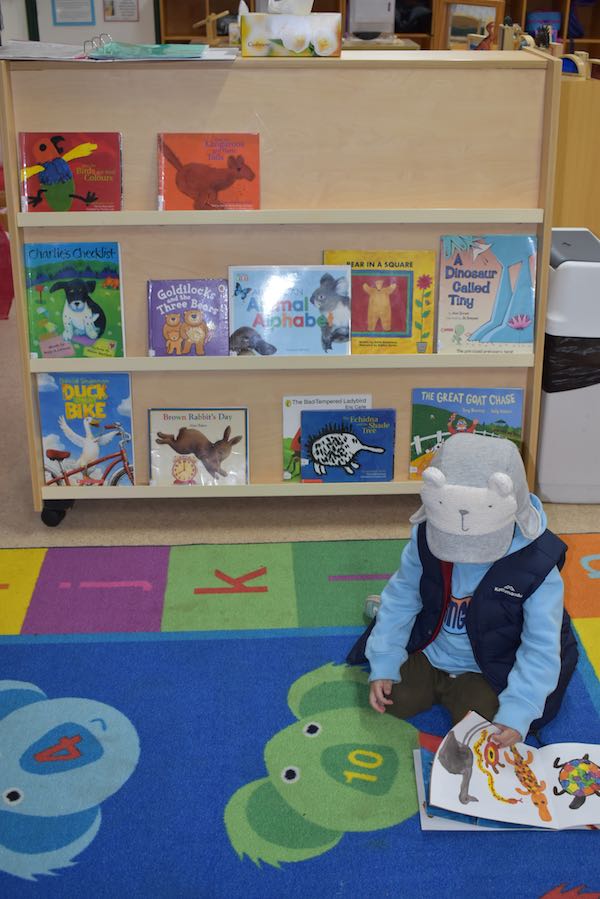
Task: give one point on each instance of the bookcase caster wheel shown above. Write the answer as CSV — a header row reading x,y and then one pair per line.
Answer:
x,y
54,510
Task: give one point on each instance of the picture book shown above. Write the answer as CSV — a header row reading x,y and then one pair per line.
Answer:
x,y
188,317
548,787
348,445
487,293
392,299
198,447
208,171
72,171
439,412
292,407
86,429
74,300
435,818
290,310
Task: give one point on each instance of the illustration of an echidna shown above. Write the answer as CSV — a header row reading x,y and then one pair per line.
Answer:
x,y
579,778
336,447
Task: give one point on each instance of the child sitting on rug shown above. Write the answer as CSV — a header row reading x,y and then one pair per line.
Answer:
x,y
474,619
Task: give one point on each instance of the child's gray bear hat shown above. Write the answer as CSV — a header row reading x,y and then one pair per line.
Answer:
x,y
473,493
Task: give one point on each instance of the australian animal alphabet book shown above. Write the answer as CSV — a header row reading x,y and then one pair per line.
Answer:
x,y
208,171
70,171
74,300
198,447
556,787
289,310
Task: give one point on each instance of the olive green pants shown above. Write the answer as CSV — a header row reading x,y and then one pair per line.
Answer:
x,y
423,685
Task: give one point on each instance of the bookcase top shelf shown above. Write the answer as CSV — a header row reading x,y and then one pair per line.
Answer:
x,y
258,364
153,218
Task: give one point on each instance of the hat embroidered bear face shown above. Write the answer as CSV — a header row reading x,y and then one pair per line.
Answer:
x,y
473,494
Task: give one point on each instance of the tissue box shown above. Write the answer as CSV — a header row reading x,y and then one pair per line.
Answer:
x,y
318,34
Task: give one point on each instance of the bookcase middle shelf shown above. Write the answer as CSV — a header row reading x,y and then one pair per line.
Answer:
x,y
260,364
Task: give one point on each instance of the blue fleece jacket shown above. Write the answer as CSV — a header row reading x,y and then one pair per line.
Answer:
x,y
537,665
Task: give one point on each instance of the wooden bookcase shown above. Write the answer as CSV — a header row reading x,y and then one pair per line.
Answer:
x,y
588,17
374,150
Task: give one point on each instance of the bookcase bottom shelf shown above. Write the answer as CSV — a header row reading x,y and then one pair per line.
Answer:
x,y
144,491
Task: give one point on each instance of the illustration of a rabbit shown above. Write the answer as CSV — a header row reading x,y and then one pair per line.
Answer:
x,y
203,183
333,302
191,441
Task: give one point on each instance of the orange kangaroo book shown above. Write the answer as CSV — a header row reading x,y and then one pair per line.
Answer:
x,y
208,171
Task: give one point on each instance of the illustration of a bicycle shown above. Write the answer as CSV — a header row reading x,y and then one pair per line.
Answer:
x,y
118,471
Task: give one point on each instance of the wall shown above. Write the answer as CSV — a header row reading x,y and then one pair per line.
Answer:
x,y
15,20
137,32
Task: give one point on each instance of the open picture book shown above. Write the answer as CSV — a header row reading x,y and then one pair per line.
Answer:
x,y
557,786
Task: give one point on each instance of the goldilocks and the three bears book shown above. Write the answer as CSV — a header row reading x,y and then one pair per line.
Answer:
x,y
188,317
74,299
392,299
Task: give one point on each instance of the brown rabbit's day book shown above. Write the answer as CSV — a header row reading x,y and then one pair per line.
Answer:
x,y
208,171
198,447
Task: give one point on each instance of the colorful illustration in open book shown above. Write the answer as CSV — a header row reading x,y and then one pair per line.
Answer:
x,y
519,785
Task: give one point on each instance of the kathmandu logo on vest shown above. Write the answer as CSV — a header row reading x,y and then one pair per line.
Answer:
x,y
510,591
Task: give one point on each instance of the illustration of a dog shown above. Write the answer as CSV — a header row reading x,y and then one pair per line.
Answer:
x,y
82,316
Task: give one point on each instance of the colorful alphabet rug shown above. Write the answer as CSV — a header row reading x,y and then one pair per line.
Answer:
x,y
179,722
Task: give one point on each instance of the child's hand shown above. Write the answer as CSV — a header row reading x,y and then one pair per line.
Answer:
x,y
378,694
506,736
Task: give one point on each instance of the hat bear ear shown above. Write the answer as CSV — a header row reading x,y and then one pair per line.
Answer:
x,y
501,483
434,477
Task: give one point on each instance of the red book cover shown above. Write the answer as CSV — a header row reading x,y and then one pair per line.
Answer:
x,y
208,171
72,171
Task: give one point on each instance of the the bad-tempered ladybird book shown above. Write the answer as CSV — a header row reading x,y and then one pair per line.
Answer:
x,y
208,171
348,445
392,299
74,299
292,408
439,412
290,310
86,429
554,787
187,318
487,293
71,171
198,447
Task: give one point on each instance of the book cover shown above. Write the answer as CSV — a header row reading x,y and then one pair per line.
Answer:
x,y
86,429
348,445
74,300
198,447
188,317
487,293
439,412
292,407
548,787
208,171
290,310
74,171
392,299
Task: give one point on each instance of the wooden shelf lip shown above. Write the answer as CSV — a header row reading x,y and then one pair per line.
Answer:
x,y
283,489
283,363
153,218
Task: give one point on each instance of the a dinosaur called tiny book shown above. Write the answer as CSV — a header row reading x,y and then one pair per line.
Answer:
x,y
556,787
198,447
208,171
70,171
